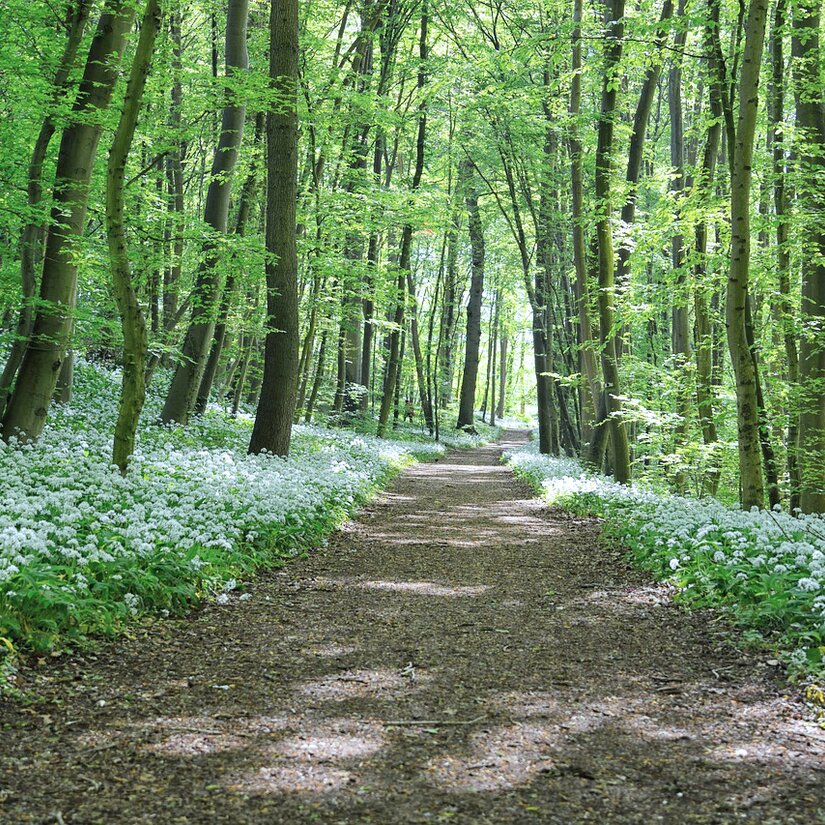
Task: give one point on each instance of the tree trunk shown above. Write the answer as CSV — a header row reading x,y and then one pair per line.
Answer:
x,y
589,392
239,379
316,383
174,180
607,333
305,361
638,138
472,344
768,454
396,400
705,395
273,422
132,320
449,316
180,399
368,304
350,357
393,367
680,319
65,381
502,379
544,279
491,343
750,467
32,235
494,359
228,295
26,412
810,119
423,397
783,259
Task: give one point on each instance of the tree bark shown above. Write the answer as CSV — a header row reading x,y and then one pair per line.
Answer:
x,y
26,412
750,468
316,382
502,379
494,358
174,181
704,183
273,423
544,221
228,293
239,378
680,319
423,397
810,118
180,399
589,391
638,137
393,367
31,239
783,259
449,316
607,332
472,343
132,320
305,361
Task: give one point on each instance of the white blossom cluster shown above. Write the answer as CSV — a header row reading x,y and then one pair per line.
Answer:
x,y
768,566
188,492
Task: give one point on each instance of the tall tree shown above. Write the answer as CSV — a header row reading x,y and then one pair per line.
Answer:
x,y
607,325
132,318
180,399
391,382
744,367
680,318
245,201
703,184
31,240
776,132
273,421
25,415
589,391
472,340
810,117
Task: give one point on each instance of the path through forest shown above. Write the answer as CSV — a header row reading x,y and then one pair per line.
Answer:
x,y
458,654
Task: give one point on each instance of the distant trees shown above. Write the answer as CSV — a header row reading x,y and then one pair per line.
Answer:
x,y
472,336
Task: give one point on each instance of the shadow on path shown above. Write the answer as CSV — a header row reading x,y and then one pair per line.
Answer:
x,y
457,654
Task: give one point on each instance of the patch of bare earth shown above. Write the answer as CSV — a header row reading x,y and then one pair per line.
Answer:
x,y
458,654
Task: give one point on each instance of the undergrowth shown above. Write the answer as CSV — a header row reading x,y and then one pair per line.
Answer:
x,y
85,552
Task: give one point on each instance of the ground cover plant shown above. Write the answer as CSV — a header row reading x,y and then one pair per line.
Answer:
x,y
84,549
766,567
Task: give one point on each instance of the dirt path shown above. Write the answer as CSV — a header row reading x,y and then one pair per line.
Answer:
x,y
458,654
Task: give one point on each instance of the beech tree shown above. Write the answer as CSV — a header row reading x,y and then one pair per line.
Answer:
x,y
273,422
49,339
133,320
183,390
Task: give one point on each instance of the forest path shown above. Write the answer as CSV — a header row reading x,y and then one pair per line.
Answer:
x,y
457,654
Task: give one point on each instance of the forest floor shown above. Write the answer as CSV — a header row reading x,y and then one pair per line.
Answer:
x,y
459,653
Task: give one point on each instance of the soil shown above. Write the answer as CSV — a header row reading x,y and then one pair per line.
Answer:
x,y
459,654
